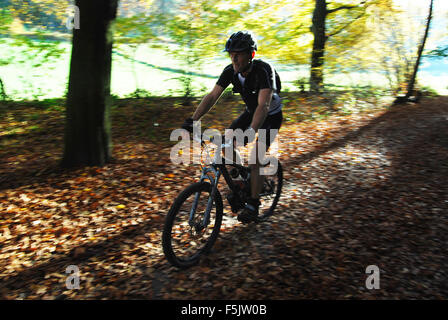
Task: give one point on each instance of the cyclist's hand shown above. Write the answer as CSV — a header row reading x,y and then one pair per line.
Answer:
x,y
188,125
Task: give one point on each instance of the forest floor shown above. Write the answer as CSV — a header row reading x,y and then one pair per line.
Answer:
x,y
360,189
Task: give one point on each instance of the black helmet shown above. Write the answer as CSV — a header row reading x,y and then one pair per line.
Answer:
x,y
241,41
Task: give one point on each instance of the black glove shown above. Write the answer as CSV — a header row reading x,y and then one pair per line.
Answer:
x,y
188,125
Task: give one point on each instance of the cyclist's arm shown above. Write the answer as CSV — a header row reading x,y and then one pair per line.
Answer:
x,y
208,102
264,101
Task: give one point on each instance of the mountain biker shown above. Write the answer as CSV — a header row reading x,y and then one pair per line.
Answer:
x,y
259,85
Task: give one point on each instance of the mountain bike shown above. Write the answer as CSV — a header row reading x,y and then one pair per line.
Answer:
x,y
194,220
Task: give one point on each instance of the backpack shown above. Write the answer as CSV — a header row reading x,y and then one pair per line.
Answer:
x,y
278,82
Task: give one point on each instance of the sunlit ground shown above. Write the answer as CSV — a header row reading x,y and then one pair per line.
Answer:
x,y
360,189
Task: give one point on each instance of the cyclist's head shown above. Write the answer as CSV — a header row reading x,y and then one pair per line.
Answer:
x,y
242,42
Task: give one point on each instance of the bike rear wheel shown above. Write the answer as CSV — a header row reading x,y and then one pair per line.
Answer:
x,y
270,194
185,241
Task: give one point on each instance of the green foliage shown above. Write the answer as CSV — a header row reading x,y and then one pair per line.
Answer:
x,y
372,36
34,54
389,46
35,50
440,52
428,91
138,94
132,29
351,32
282,27
41,14
301,84
135,29
3,95
196,29
6,19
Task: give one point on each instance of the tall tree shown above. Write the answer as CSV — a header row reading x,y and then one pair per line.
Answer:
x,y
411,83
320,34
317,56
87,129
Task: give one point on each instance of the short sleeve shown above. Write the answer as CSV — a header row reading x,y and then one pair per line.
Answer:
x,y
265,77
226,77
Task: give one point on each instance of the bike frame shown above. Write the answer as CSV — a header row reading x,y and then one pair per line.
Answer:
x,y
216,169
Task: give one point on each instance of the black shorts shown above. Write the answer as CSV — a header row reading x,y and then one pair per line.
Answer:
x,y
272,122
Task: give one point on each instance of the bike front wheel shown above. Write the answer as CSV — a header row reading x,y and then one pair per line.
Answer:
x,y
187,235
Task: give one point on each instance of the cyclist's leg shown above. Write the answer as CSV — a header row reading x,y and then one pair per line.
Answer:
x,y
243,123
265,138
257,158
272,126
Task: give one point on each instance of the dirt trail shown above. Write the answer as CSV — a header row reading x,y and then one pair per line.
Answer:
x,y
374,194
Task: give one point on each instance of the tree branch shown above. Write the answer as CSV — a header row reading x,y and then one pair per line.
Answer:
x,y
345,26
343,7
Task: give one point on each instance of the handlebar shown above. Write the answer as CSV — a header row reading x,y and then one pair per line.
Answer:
x,y
224,143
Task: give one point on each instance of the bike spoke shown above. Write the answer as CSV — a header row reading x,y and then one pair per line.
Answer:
x,y
187,240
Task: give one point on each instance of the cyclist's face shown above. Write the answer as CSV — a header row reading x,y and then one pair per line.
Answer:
x,y
240,60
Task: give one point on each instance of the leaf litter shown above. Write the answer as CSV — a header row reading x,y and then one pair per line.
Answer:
x,y
361,189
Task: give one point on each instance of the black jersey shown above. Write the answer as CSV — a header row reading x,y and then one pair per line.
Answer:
x,y
260,77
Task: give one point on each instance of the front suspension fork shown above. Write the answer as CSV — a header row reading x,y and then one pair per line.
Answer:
x,y
214,183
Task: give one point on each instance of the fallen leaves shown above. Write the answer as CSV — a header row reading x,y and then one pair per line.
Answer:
x,y
355,194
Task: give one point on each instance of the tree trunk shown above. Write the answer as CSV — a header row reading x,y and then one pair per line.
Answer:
x,y
2,90
317,56
411,83
87,128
